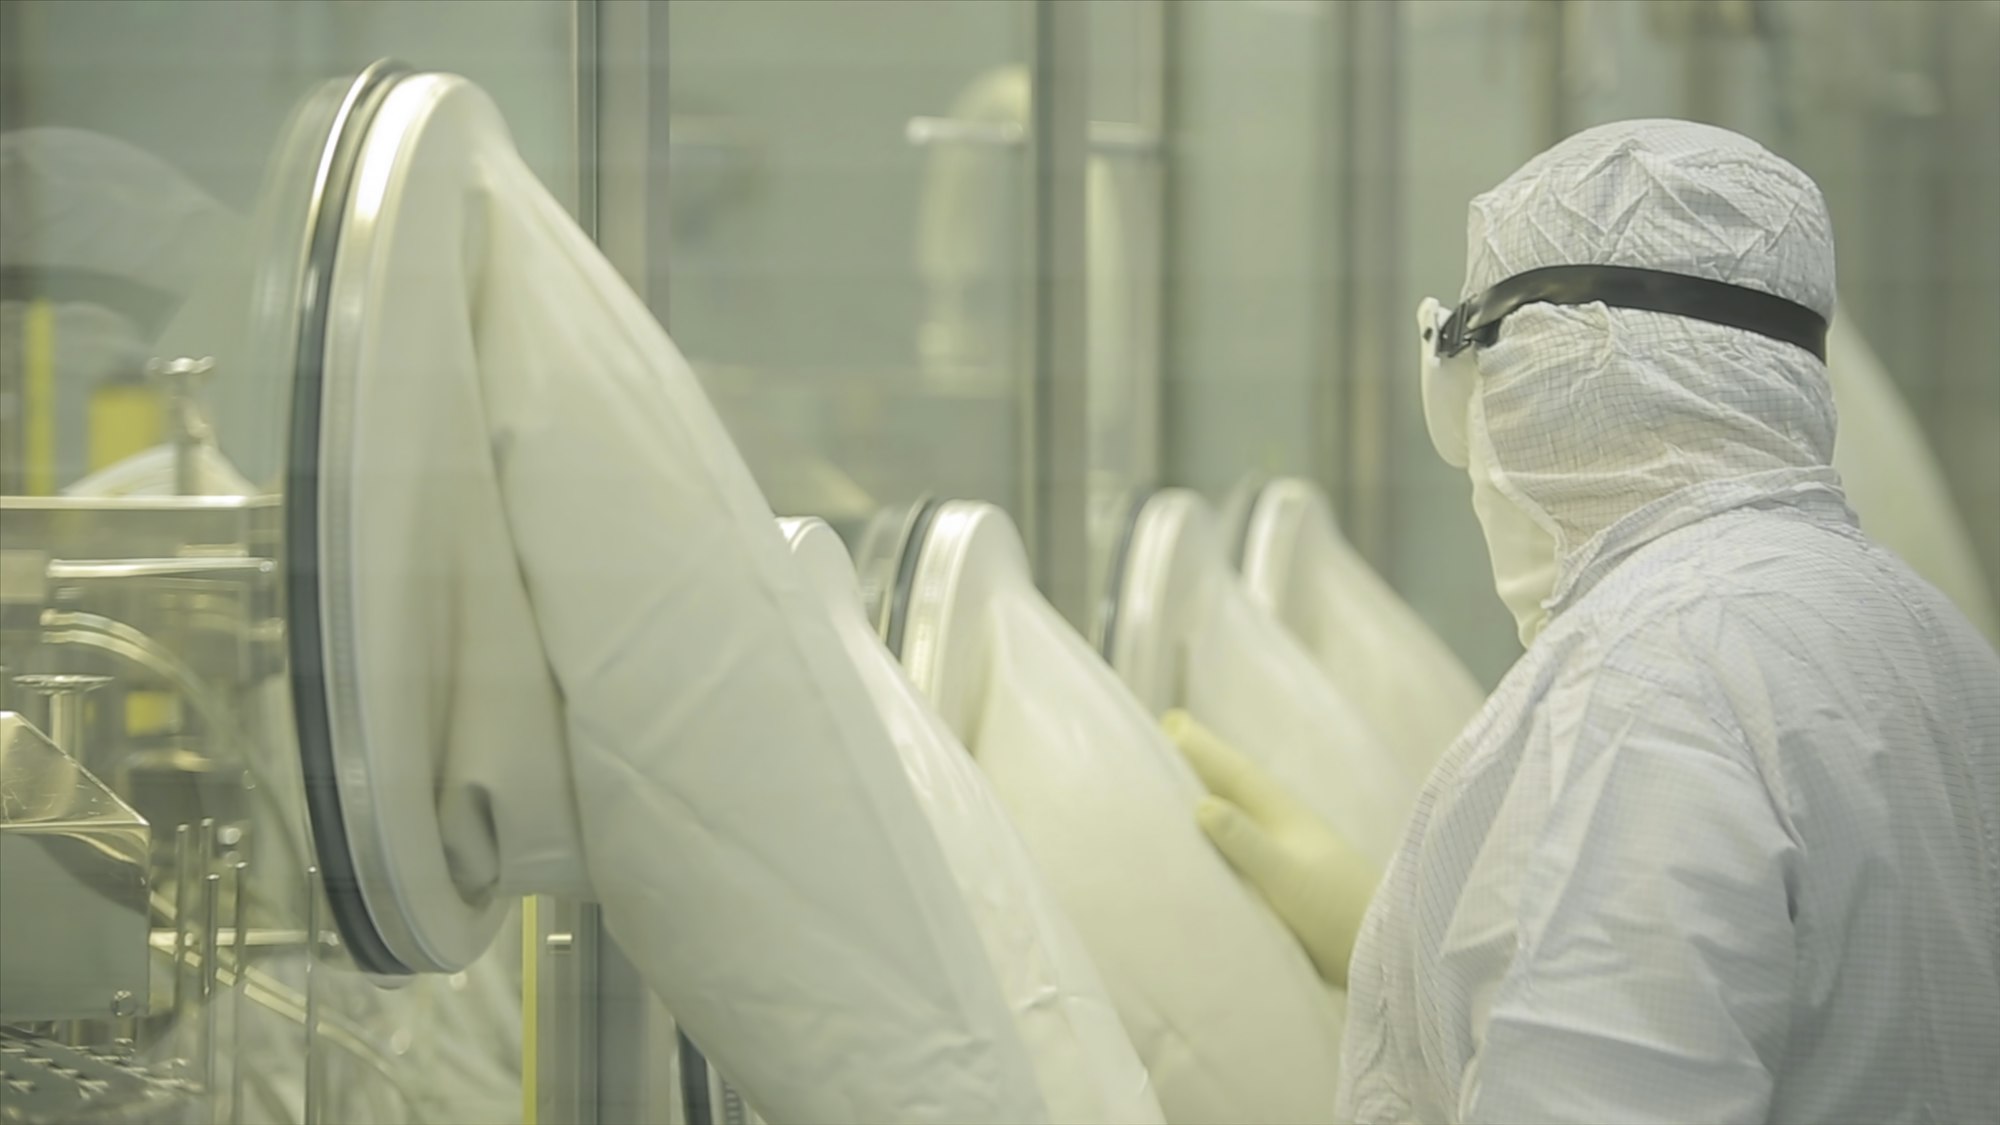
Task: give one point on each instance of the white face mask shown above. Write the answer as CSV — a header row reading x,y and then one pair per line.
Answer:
x,y
1522,551
1447,383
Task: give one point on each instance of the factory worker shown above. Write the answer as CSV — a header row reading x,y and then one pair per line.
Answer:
x,y
1725,844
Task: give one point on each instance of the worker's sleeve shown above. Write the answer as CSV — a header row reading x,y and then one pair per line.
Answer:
x,y
1653,974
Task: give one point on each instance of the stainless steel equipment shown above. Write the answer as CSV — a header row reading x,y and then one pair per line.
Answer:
x,y
167,950
73,901
143,633
48,1082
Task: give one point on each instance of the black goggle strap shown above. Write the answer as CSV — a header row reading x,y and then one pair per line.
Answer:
x,y
1477,321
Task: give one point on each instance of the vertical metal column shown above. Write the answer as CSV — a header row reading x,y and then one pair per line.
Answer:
x,y
634,1037
566,1012
1148,257
631,143
585,78
1368,340
17,28
560,966
1056,404
599,1037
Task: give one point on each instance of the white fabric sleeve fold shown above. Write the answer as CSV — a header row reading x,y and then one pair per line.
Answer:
x,y
707,762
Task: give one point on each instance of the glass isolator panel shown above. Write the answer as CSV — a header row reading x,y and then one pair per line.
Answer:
x,y
188,935
849,192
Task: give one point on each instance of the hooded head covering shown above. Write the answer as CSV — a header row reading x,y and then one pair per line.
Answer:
x,y
1609,427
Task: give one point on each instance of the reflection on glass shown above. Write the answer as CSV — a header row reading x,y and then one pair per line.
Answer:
x,y
169,956
1124,184
850,285
143,634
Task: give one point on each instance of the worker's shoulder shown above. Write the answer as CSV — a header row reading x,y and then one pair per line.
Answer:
x,y
1749,580
1728,603
1760,624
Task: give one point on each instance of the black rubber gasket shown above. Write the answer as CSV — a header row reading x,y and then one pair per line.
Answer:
x,y
305,632
1239,531
897,622
1110,599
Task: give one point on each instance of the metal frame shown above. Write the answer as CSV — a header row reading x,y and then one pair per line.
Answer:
x,y
563,1087
585,79
562,937
16,25
1150,264
600,1043
628,66
1363,342
1056,399
1138,148
600,1040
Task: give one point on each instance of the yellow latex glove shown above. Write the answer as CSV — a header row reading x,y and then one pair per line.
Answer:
x,y
1314,879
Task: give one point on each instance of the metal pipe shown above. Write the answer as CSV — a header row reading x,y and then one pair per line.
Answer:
x,y
211,906
1107,138
187,457
1359,342
64,694
68,627
315,1080
63,627
1055,470
63,570
627,140
584,38
204,857
182,378
238,987
183,862
278,998
66,721
257,939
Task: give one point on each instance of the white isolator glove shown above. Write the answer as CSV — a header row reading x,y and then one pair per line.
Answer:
x,y
1313,878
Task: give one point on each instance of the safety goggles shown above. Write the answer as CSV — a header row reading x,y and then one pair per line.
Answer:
x,y
1449,335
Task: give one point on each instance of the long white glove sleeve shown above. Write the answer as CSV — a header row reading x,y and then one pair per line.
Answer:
x,y
726,757
1224,1007
1414,691
1652,976
1264,696
1090,1073
718,767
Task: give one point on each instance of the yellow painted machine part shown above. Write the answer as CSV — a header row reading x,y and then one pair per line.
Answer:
x,y
530,926
151,712
125,418
38,393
